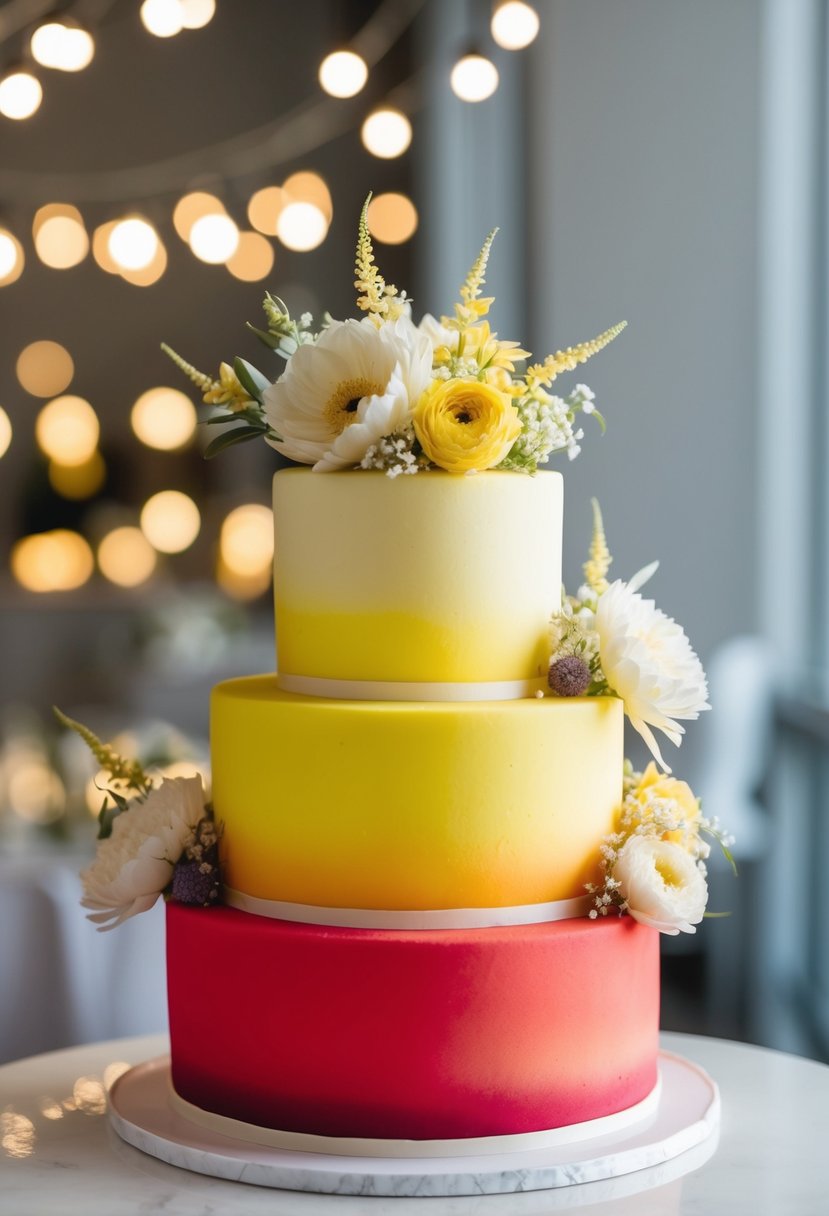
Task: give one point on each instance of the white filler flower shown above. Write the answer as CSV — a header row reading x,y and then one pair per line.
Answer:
x,y
356,384
648,661
661,884
134,865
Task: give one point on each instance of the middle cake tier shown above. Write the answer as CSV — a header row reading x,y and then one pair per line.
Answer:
x,y
412,805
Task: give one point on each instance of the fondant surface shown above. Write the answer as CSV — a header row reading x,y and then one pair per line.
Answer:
x,y
435,577
409,805
438,1034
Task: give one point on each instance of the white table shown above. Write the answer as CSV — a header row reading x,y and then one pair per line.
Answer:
x,y
59,1154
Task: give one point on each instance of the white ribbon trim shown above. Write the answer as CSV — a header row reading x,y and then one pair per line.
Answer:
x,y
409,690
443,918
474,1146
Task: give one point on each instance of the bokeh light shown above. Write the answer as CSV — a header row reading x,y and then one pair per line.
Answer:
x,y
307,187
12,259
343,73
67,430
301,226
20,95
170,521
392,218
514,25
246,551
164,18
196,14
52,561
164,418
214,238
100,247
192,207
35,790
264,208
60,236
65,48
474,78
78,481
133,243
5,432
253,259
45,368
386,133
126,557
151,273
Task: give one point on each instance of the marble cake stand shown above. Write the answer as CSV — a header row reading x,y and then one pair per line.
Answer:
x,y
686,1117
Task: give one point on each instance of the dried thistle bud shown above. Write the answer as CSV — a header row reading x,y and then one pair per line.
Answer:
x,y
569,677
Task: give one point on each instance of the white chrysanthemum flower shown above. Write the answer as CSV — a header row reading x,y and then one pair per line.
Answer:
x,y
133,866
661,884
356,384
648,661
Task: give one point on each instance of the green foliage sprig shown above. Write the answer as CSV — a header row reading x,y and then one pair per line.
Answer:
x,y
128,774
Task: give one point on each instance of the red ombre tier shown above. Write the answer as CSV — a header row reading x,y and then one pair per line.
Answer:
x,y
439,1034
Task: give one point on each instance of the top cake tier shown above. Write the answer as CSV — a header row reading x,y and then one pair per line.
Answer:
x,y
433,579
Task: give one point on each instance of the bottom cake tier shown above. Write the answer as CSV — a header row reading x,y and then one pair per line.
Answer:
x,y
437,1034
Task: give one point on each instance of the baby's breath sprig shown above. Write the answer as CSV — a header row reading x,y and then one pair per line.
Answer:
x,y
543,374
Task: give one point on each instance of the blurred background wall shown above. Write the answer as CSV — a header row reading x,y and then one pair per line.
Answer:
x,y
644,159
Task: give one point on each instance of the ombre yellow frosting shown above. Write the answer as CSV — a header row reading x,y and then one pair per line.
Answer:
x,y
412,805
435,577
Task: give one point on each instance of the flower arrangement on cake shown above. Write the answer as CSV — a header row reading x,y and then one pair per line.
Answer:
x,y
383,393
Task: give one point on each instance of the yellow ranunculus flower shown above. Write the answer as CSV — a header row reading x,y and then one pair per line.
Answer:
x,y
465,424
655,784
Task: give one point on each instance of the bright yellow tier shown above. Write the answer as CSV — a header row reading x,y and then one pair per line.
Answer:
x,y
435,577
412,805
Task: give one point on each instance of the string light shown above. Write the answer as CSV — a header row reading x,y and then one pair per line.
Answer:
x,y
20,95
343,73
191,208
246,551
52,561
170,521
100,247
214,238
126,557
392,218
60,236
386,133
67,430
301,226
5,432
264,208
195,14
164,418
253,259
164,18
514,25
78,481
65,48
147,275
45,368
306,187
474,78
12,259
132,243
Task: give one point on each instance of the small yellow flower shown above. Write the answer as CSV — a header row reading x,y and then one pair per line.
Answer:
x,y
654,784
228,391
464,424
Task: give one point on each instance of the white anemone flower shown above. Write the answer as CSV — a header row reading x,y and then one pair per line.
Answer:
x,y
354,386
661,884
135,863
648,661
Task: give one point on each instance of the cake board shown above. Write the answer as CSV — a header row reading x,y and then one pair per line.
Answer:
x,y
685,1116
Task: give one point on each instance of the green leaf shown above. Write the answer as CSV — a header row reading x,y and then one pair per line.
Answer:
x,y
239,434
715,915
271,340
251,380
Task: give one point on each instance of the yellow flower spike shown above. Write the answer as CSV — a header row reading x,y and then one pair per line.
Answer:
x,y
377,298
228,390
596,568
567,360
203,382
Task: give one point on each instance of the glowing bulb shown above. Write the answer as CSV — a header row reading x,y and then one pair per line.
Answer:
x,y
195,14
66,48
20,95
148,274
306,187
164,18
392,218
301,226
246,540
264,208
60,236
132,244
5,432
192,207
170,521
67,430
126,557
474,78
100,246
514,25
214,238
52,561
11,258
253,259
45,368
78,481
386,133
164,418
343,73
